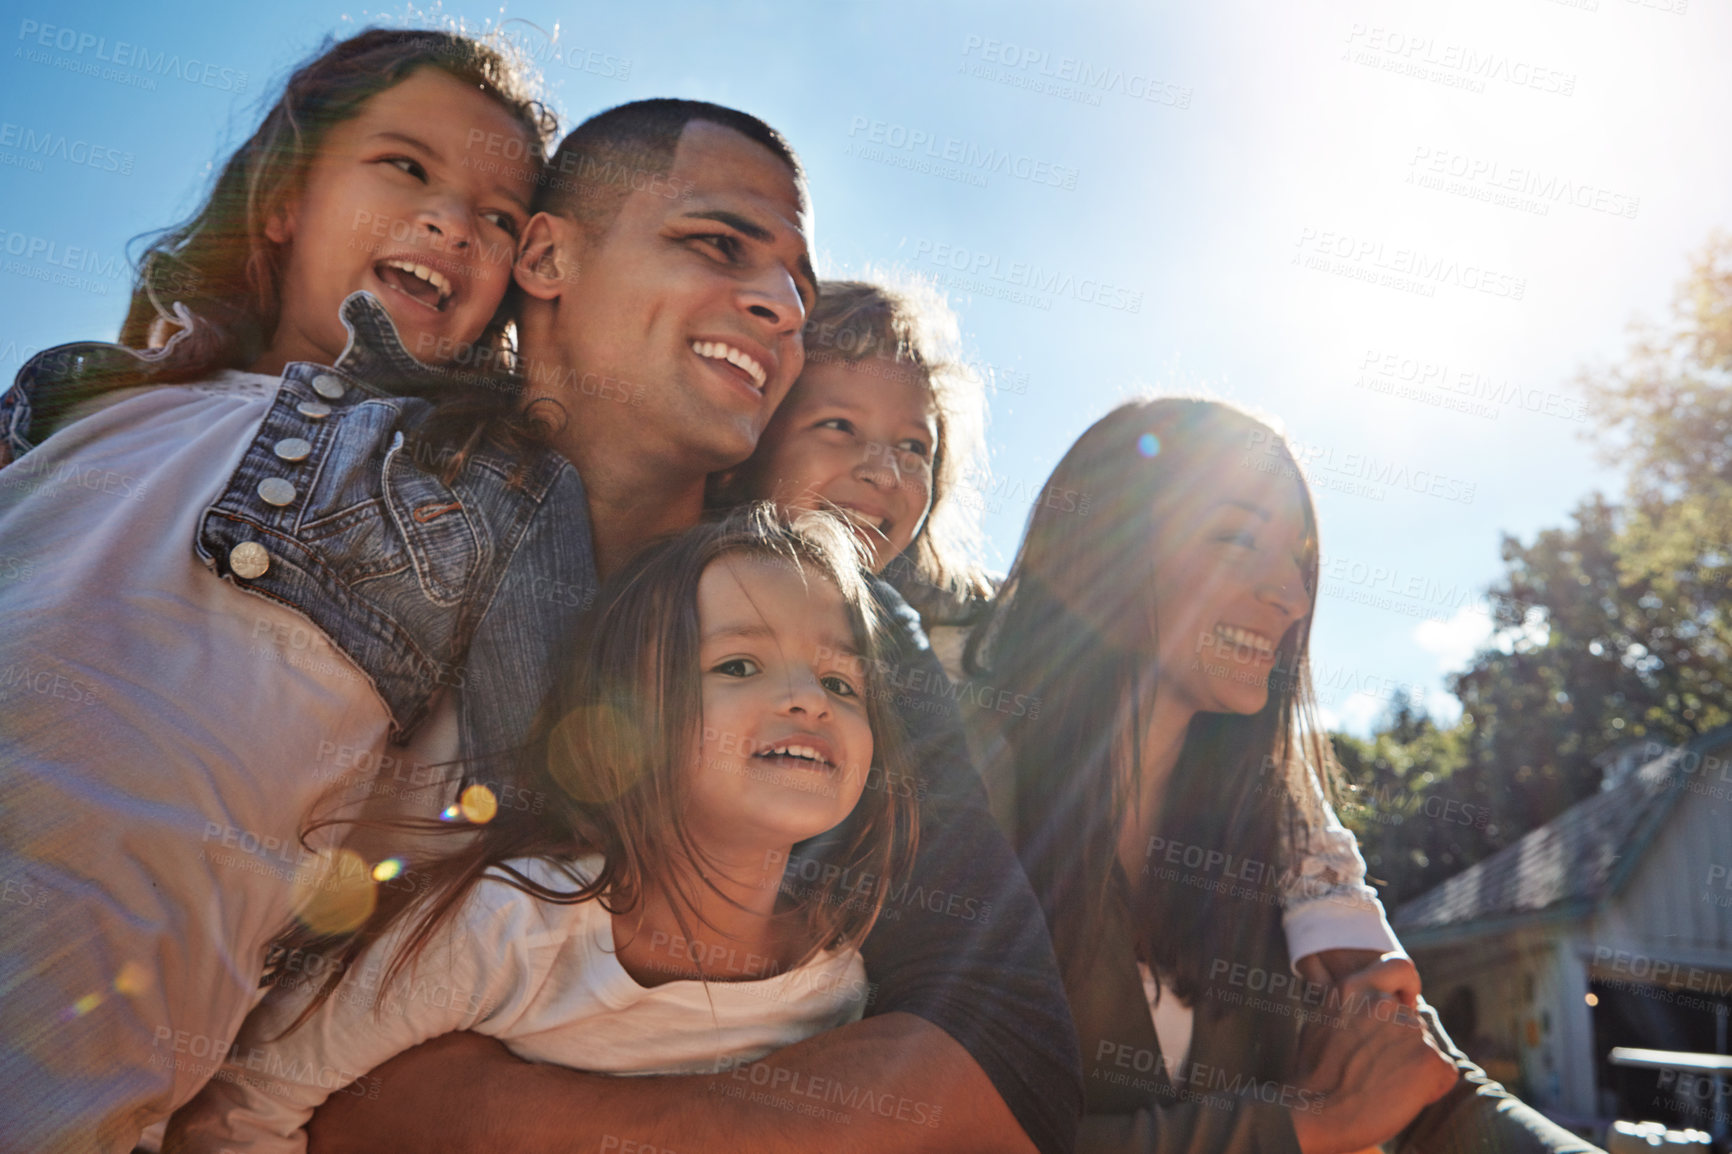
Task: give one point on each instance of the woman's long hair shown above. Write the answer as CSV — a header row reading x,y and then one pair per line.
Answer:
x,y
1072,629
221,264
609,751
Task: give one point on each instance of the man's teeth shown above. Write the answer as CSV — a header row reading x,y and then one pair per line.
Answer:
x,y
804,752
716,350
431,275
1233,635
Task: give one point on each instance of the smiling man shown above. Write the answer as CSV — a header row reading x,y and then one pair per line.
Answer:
x,y
418,544
692,306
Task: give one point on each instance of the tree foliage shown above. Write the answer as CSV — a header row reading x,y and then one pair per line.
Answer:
x,y
1614,628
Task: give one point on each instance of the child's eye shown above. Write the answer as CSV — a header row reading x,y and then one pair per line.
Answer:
x,y
1245,539
406,164
737,667
502,220
917,447
839,424
839,686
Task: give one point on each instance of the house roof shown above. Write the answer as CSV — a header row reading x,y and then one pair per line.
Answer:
x,y
1568,866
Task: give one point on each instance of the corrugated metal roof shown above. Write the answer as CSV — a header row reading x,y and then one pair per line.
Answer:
x,y
1572,863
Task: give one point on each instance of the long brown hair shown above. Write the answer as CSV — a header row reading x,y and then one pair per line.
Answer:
x,y
610,745
1066,631
220,263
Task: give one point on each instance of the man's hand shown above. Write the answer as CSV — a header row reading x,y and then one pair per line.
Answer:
x,y
1371,1062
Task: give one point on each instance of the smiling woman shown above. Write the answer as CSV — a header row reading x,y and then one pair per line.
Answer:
x,y
1169,805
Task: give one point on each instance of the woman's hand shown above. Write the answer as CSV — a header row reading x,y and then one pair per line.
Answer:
x,y
1395,973
1370,1064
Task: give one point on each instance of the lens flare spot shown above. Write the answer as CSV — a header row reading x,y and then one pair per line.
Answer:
x,y
86,1004
595,753
386,870
334,891
450,813
478,804
1148,444
132,979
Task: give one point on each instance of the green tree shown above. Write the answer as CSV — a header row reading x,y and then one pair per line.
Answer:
x,y
1401,800
1614,627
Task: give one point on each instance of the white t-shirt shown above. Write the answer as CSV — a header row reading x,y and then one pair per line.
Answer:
x,y
540,976
164,736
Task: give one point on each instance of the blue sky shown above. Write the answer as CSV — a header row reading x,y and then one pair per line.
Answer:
x,y
1401,228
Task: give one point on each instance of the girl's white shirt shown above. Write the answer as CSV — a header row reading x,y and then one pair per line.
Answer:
x,y
160,828
540,976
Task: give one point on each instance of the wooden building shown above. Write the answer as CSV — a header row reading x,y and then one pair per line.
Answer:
x,y
1608,926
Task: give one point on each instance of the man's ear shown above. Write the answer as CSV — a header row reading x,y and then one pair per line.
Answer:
x,y
547,256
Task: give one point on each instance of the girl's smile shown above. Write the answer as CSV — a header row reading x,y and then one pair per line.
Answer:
x,y
394,203
786,740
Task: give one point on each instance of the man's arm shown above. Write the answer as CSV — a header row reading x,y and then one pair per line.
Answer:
x,y
891,1083
969,1014
964,944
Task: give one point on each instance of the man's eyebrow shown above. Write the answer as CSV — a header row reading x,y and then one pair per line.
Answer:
x,y
751,228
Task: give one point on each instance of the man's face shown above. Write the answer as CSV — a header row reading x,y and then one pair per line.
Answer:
x,y
697,300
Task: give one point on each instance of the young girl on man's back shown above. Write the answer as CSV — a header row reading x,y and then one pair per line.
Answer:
x,y
158,810
719,708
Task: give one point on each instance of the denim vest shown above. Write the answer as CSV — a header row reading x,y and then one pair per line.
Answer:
x,y
422,584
